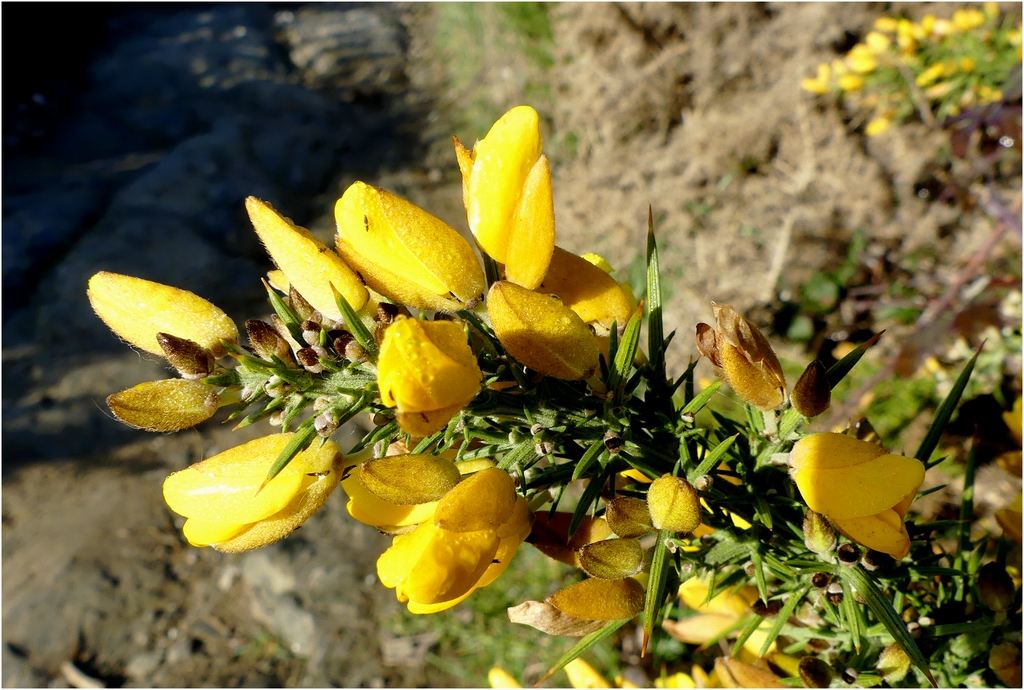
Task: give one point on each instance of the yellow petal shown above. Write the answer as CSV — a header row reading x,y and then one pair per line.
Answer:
x,y
676,680
422,424
482,501
450,565
404,253
582,675
222,489
137,309
1013,420
883,532
1009,518
167,405
202,533
502,162
500,678
541,332
700,628
310,266
863,487
694,591
586,289
533,238
370,510
426,365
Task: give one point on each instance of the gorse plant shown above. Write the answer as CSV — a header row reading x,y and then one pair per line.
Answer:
x,y
526,375
940,65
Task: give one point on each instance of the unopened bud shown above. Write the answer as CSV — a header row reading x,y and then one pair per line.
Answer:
x,y
386,313
834,594
409,479
819,536
814,673
276,419
612,442
275,387
812,393
536,429
628,517
873,560
266,341
311,332
309,359
544,448
341,342
769,608
673,504
914,628
995,587
192,360
354,352
750,365
704,483
850,676
612,559
893,664
1004,660
299,305
325,424
816,644
321,404
168,405
848,555
820,580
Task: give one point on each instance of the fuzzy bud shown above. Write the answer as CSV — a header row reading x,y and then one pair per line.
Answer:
x,y
409,479
628,517
311,332
814,673
893,664
819,536
821,580
192,360
302,308
673,504
309,359
341,342
612,559
354,352
812,393
834,594
325,424
265,340
613,442
848,555
168,405
750,365
995,587
704,482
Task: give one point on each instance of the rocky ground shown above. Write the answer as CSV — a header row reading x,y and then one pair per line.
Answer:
x,y
138,156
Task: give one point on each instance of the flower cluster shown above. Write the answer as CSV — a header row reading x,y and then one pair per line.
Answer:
x,y
948,65
497,387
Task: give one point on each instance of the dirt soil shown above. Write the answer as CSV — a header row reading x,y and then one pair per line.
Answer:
x,y
695,110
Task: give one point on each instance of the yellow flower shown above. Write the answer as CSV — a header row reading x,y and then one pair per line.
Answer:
x,y
819,84
877,43
928,23
1009,518
931,74
582,675
506,186
167,405
541,332
877,126
943,27
861,59
741,353
851,82
219,495
587,289
676,680
967,64
991,9
887,24
434,568
427,370
404,253
863,491
137,309
308,265
967,19
716,616
498,677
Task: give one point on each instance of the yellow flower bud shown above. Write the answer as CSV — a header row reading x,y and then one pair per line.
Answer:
x,y
861,59
861,489
674,504
605,600
168,405
877,126
746,359
1005,661
507,192
628,517
541,332
931,74
586,289
676,680
219,495
550,536
877,43
582,675
819,536
1009,518
967,19
819,84
612,559
137,309
309,265
426,366
409,479
404,253
498,677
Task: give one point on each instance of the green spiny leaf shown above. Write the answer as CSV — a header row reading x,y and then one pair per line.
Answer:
x,y
588,459
582,646
701,399
782,618
304,435
355,325
838,371
945,411
655,586
711,460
